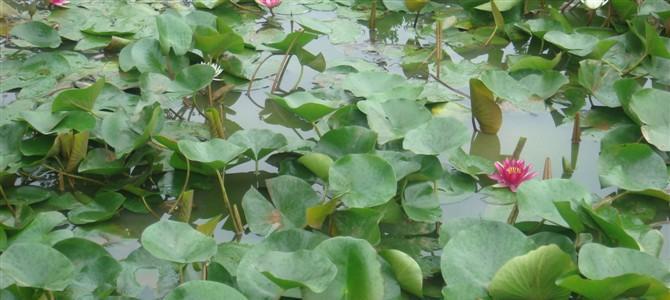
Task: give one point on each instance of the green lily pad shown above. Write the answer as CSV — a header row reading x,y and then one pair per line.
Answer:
x,y
436,136
306,105
177,242
104,206
28,194
484,108
101,161
351,254
392,119
204,290
318,163
472,257
525,89
600,262
173,33
95,269
533,275
362,180
38,34
347,140
630,285
78,99
362,223
300,269
144,55
599,78
129,285
406,270
40,229
651,109
537,197
580,44
421,203
37,266
381,86
259,142
215,153
634,167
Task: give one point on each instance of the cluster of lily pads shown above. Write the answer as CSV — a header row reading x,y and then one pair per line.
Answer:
x,y
118,108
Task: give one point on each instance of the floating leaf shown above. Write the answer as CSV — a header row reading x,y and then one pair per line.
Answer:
x,y
347,140
537,197
634,167
177,242
651,108
484,108
437,136
102,207
300,269
37,33
421,203
259,142
394,118
173,33
78,99
306,105
128,283
533,275
381,86
318,163
204,290
351,254
406,270
362,180
216,153
38,266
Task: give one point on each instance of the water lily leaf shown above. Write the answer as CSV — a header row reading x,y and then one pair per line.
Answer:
x,y
423,139
360,223
37,266
653,112
292,196
537,197
177,242
259,142
101,161
78,99
125,133
484,108
381,86
403,163
195,77
351,254
362,180
27,195
503,5
252,282
40,229
129,284
421,202
524,62
347,140
306,105
10,144
599,78
318,163
296,41
634,167
532,276
472,256
300,269
600,262
173,33
630,285
526,89
406,270
209,4
392,119
144,55
215,153
215,41
204,290
261,215
37,33
95,269
580,44
102,207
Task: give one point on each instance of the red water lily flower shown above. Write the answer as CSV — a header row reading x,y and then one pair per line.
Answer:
x,y
59,3
511,173
269,3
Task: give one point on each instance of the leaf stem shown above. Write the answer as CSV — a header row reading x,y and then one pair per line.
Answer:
x,y
226,201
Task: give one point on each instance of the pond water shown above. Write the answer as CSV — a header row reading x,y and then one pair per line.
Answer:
x,y
540,137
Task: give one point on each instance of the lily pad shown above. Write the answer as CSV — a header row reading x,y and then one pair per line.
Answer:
x,y
177,242
259,142
533,275
308,269
102,207
436,136
406,270
38,34
204,290
362,180
421,203
38,266
306,105
651,108
381,86
537,197
347,140
216,153
392,119
634,167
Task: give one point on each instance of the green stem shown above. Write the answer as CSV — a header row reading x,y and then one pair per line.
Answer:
x,y
183,189
226,202
511,219
4,196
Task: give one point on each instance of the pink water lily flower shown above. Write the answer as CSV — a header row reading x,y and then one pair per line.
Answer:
x,y
269,3
511,173
59,3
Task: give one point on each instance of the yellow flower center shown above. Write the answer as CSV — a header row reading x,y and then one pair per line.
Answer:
x,y
513,170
